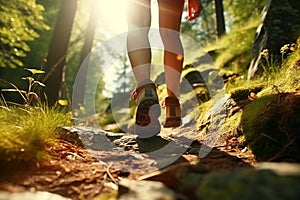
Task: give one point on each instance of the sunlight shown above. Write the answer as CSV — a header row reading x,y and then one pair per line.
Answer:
x,y
113,16
113,22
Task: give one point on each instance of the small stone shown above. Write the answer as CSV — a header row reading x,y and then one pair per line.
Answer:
x,y
146,190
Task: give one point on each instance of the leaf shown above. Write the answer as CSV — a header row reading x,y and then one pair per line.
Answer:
x,y
35,71
30,79
63,102
39,83
14,90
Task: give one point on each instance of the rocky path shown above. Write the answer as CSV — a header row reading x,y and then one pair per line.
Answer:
x,y
86,163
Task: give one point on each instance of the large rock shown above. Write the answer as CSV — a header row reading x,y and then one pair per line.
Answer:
x,y
271,127
266,181
249,184
280,26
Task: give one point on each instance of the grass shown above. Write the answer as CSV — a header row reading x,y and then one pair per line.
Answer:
x,y
25,131
285,79
267,120
234,50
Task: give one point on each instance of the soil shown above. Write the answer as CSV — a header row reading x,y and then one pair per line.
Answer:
x,y
76,172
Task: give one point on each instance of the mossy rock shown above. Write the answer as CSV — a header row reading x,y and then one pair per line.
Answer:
x,y
271,126
248,184
243,93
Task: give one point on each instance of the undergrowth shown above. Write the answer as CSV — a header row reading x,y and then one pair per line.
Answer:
x,y
233,51
25,131
284,79
264,112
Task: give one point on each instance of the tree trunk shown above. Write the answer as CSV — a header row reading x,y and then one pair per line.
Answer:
x,y
280,25
78,97
58,49
220,18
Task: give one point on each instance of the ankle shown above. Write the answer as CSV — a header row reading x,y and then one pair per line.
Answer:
x,y
173,112
172,100
144,82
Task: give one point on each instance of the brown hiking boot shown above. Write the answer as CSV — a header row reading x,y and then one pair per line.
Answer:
x,y
173,112
147,109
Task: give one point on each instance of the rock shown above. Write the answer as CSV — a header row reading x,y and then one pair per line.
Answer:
x,y
182,178
284,169
280,26
90,138
271,127
30,196
131,152
266,181
248,184
146,190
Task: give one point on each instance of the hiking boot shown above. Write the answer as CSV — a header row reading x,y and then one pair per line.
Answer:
x,y
173,112
147,109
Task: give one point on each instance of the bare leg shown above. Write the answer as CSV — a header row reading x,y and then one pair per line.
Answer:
x,y
147,110
138,46
170,12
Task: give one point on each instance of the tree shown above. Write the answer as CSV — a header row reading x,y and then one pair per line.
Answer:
x,y
210,25
58,50
39,47
124,78
20,22
280,26
86,50
220,21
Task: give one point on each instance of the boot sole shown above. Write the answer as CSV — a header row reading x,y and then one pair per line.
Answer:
x,y
147,110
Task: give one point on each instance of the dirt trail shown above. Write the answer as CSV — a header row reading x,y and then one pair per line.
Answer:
x,y
75,171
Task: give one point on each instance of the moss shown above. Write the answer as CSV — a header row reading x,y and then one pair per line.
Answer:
x,y
240,184
241,93
270,122
232,123
256,123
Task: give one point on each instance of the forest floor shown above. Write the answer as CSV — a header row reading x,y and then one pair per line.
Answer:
x,y
76,172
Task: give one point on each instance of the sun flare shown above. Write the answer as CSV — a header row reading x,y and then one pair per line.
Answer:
x,y
113,15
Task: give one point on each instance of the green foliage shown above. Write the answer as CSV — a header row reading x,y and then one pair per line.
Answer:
x,y
30,93
20,20
39,46
234,49
202,28
271,110
26,131
95,74
238,12
283,78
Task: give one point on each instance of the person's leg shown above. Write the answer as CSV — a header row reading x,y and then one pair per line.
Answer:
x,y
147,110
138,46
170,12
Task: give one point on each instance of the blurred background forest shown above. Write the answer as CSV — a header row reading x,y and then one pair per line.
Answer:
x,y
45,42
57,35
